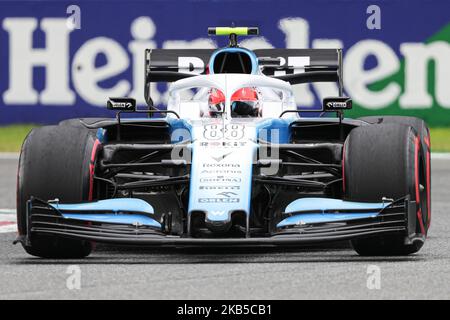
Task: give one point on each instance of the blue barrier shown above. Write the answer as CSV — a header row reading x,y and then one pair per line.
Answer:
x,y
54,66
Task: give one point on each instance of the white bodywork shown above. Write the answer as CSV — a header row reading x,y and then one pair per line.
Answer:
x,y
276,95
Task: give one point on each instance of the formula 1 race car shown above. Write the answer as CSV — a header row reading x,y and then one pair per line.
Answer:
x,y
228,162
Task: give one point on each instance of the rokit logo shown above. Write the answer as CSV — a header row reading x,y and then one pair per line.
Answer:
x,y
71,72
223,144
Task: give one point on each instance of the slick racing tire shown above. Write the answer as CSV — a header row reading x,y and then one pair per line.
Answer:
x,y
54,163
424,134
77,122
386,160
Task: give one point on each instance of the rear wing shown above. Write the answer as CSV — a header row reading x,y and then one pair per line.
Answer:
x,y
291,65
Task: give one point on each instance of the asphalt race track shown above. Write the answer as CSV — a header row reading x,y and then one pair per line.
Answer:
x,y
317,273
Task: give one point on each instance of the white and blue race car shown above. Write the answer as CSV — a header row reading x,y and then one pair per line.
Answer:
x,y
228,162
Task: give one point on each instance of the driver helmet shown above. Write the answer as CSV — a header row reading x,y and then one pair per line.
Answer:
x,y
216,102
244,103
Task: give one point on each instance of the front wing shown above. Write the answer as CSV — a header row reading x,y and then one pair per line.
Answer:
x,y
103,224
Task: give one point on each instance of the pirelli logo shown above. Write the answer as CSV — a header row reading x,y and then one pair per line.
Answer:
x,y
219,187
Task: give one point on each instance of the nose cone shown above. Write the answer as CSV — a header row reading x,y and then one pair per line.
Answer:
x,y
221,171
222,221
218,226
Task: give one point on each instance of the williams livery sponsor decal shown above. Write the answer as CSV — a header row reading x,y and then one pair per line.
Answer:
x,y
227,132
223,144
219,187
227,194
222,173
51,72
221,179
222,197
221,165
218,200
337,103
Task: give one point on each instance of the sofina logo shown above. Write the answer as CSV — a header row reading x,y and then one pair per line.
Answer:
x,y
414,83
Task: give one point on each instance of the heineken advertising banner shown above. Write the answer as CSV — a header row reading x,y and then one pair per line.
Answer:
x,y
62,59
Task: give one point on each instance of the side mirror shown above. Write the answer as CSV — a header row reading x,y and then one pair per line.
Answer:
x,y
121,104
337,103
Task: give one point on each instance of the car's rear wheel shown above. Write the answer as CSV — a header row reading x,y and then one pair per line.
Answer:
x,y
55,162
80,122
386,160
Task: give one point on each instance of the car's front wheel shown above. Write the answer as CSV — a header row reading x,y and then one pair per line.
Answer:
x,y
55,163
386,160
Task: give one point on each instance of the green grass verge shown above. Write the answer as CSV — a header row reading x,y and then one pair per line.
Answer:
x,y
11,138
440,139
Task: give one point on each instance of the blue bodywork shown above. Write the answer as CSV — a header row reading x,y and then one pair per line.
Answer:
x,y
132,219
324,210
251,54
114,205
121,210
